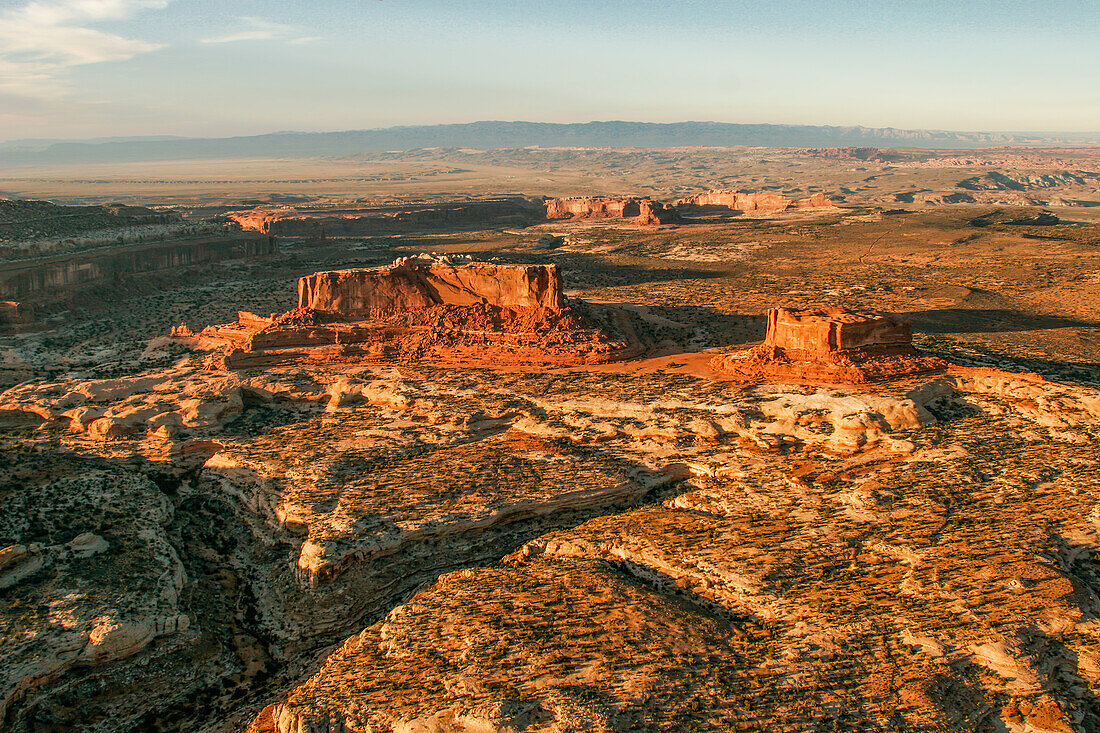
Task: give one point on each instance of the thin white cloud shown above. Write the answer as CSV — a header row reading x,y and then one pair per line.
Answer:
x,y
42,38
258,29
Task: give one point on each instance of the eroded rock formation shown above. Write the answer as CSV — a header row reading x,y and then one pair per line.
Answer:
x,y
420,308
412,283
643,211
60,275
830,345
761,568
349,221
753,552
741,201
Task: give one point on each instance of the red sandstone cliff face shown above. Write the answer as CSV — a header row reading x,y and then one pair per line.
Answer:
x,y
411,284
833,329
643,211
390,218
653,212
255,220
15,317
740,201
831,346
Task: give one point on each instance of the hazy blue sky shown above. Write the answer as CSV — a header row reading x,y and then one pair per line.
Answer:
x,y
84,68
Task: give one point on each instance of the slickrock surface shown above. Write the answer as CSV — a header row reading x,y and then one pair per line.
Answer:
x,y
829,345
777,542
161,406
643,211
412,544
88,577
795,584
741,201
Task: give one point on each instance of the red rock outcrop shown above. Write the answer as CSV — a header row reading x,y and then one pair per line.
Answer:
x,y
419,309
829,345
741,201
824,330
644,211
416,283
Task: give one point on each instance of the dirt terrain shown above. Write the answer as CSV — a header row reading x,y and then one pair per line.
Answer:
x,y
410,543
893,178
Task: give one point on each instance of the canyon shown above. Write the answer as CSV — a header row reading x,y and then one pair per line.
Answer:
x,y
452,463
57,276
53,254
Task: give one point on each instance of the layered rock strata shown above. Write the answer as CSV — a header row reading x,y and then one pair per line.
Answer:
x,y
350,221
782,582
741,201
87,576
412,283
59,275
420,309
829,345
642,211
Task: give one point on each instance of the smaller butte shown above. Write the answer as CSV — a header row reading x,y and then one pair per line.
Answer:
x,y
742,201
420,308
829,346
641,211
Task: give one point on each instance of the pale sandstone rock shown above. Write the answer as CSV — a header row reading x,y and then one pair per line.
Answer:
x,y
1009,661
19,561
130,408
789,548
103,595
741,201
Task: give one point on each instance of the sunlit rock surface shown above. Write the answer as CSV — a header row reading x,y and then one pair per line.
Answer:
x,y
829,345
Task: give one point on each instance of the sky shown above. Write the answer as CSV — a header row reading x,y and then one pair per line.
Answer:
x,y
93,68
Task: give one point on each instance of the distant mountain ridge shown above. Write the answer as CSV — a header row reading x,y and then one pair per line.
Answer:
x,y
486,135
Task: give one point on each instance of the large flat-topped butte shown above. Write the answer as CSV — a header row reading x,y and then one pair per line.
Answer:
x,y
420,308
411,283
